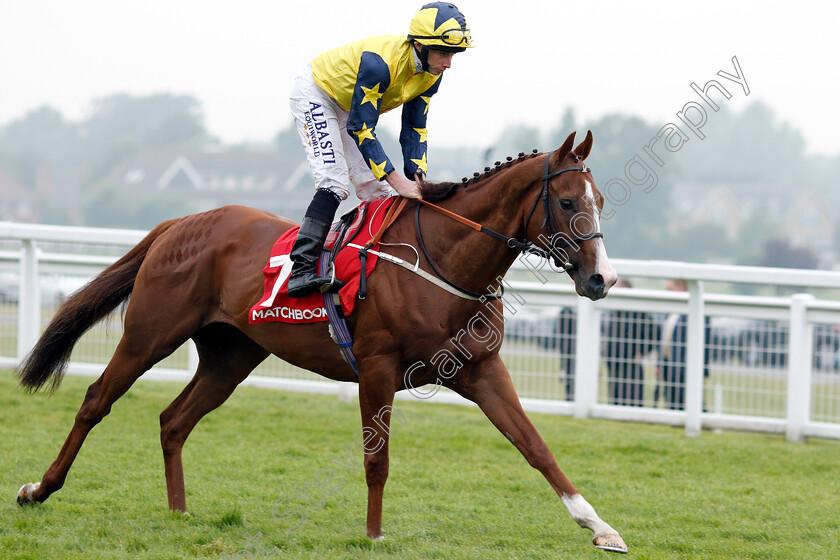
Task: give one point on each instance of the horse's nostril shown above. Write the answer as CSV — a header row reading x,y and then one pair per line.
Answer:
x,y
596,282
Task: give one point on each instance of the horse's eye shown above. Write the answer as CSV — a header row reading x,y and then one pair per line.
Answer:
x,y
566,205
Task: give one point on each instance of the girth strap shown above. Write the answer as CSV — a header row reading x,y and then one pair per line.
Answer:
x,y
339,329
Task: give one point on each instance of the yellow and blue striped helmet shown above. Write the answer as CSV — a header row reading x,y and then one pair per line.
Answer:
x,y
440,25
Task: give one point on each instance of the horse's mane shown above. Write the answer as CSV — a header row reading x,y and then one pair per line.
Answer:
x,y
436,192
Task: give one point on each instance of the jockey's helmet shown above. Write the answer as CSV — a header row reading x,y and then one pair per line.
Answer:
x,y
440,26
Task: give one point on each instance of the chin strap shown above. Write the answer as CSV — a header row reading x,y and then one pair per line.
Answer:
x,y
424,57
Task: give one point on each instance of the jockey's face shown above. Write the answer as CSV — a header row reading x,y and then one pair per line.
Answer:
x,y
439,61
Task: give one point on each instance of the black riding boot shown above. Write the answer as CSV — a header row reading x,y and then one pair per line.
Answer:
x,y
309,243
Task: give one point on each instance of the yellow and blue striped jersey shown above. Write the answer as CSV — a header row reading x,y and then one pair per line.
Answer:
x,y
373,76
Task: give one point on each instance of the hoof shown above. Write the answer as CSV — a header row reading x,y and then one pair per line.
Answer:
x,y
24,495
611,542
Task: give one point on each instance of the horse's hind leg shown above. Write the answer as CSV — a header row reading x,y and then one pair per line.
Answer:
x,y
226,357
127,364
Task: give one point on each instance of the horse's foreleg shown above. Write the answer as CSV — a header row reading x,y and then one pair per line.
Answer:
x,y
491,388
376,397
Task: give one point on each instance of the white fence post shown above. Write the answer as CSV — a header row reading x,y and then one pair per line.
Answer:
x,y
29,299
799,368
695,359
586,357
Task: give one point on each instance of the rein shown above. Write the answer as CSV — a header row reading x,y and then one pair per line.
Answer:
x,y
469,223
549,223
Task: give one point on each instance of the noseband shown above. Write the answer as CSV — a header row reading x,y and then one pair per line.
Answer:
x,y
549,223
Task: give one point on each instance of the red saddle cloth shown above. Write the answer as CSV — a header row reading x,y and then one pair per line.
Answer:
x,y
276,305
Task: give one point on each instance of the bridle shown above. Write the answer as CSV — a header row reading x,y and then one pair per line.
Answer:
x,y
549,223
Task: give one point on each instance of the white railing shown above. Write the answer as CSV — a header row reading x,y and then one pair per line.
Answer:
x,y
791,396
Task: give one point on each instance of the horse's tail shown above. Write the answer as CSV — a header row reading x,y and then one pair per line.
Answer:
x,y
83,309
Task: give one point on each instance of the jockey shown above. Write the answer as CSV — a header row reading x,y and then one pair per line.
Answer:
x,y
336,103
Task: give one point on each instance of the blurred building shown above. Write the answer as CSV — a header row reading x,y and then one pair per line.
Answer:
x,y
207,178
808,219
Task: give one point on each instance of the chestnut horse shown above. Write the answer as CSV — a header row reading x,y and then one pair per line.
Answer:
x,y
198,276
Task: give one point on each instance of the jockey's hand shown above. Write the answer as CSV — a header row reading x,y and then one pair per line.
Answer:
x,y
404,187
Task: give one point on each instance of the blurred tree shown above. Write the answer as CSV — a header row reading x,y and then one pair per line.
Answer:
x,y
752,236
23,166
639,227
288,140
513,140
42,134
152,121
108,205
99,166
698,243
824,175
565,127
750,146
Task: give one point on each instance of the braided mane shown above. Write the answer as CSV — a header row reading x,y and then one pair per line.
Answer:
x,y
436,192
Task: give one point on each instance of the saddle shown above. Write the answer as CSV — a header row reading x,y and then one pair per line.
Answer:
x,y
345,229
357,226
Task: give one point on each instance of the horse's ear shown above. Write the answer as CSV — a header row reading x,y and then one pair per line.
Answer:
x,y
585,147
564,150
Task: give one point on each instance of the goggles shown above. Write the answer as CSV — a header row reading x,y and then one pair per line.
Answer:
x,y
452,37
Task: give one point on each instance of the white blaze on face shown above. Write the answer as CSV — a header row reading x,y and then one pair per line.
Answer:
x,y
602,262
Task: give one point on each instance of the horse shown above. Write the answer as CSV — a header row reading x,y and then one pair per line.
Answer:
x,y
197,277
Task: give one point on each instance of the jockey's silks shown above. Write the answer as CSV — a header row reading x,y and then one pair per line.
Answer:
x,y
373,76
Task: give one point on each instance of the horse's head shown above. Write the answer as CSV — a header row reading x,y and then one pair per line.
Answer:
x,y
567,219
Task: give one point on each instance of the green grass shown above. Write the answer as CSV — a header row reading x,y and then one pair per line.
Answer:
x,y
457,488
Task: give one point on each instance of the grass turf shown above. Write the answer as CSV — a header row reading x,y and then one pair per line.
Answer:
x,y
457,488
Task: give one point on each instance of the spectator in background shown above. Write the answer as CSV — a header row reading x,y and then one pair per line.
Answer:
x,y
672,354
628,336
